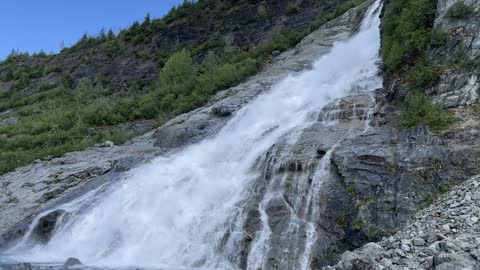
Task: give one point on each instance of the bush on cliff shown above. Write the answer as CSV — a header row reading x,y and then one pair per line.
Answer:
x,y
419,110
460,10
407,33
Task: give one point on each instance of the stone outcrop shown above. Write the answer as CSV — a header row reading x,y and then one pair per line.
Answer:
x,y
71,262
459,82
391,173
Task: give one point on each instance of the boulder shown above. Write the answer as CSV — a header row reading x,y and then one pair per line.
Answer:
x,y
47,224
71,262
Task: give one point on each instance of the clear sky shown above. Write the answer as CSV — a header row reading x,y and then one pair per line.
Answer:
x,y
33,25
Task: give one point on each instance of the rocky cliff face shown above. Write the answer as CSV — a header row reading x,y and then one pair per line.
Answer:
x,y
459,83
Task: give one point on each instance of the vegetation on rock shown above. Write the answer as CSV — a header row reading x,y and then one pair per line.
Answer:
x,y
407,33
419,110
460,10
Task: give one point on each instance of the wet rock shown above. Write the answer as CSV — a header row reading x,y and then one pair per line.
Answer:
x,y
71,262
321,153
47,224
276,53
20,266
222,111
106,144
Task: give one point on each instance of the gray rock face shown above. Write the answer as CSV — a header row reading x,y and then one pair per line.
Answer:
x,y
447,230
464,31
460,83
46,225
8,121
302,209
71,262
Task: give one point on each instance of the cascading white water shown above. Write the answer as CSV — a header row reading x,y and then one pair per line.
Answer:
x,y
172,212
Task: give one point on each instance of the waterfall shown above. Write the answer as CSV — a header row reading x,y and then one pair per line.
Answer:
x,y
174,211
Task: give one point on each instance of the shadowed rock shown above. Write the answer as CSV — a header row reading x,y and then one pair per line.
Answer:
x,y
71,262
20,266
47,224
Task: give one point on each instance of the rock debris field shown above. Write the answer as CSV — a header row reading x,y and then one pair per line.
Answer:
x,y
446,235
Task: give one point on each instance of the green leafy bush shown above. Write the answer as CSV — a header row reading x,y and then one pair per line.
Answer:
x,y
422,76
438,38
460,10
292,9
406,35
54,68
419,110
178,75
406,31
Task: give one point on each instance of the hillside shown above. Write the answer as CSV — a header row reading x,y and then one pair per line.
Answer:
x,y
107,87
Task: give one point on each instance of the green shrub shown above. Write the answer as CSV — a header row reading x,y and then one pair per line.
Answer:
x,y
406,35
54,68
292,8
22,82
358,224
460,10
178,75
419,110
438,38
422,76
406,31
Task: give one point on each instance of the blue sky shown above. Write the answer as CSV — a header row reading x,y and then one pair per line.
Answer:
x,y
33,25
